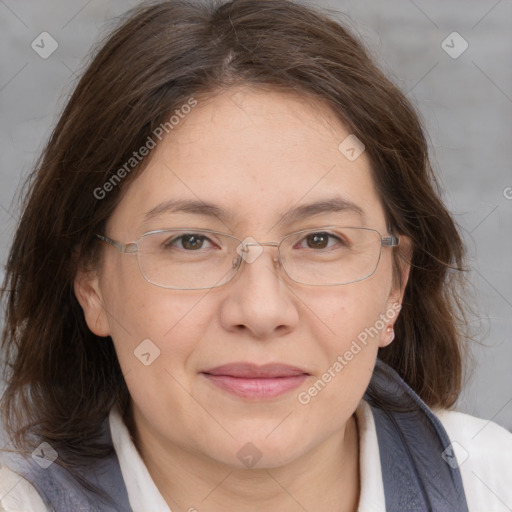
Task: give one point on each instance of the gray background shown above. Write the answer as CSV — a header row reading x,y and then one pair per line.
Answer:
x,y
466,103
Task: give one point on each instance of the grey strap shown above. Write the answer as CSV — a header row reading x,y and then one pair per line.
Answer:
x,y
411,440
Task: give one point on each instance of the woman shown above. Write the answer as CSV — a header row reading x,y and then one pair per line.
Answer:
x,y
234,285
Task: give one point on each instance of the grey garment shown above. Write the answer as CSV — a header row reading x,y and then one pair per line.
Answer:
x,y
419,468
411,440
62,491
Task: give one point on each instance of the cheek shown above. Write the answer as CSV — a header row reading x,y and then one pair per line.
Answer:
x,y
156,347
350,322
351,311
145,319
357,327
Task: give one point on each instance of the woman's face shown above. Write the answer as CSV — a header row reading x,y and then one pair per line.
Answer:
x,y
254,155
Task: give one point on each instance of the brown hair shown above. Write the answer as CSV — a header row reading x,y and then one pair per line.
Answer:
x,y
62,379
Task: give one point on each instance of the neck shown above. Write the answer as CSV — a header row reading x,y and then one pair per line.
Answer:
x,y
325,478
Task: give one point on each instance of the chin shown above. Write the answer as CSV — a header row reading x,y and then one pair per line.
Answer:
x,y
258,450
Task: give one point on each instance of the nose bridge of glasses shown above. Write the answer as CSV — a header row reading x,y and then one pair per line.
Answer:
x,y
275,244
244,253
245,245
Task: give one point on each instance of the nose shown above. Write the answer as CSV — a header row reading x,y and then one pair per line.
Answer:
x,y
258,300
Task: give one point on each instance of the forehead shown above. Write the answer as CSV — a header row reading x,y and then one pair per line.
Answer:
x,y
255,154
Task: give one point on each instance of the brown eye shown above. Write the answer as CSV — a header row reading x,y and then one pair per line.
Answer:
x,y
323,240
318,240
189,242
192,242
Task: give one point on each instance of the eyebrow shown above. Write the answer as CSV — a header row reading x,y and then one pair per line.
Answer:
x,y
334,204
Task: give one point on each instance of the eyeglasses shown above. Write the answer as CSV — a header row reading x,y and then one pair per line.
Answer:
x,y
195,259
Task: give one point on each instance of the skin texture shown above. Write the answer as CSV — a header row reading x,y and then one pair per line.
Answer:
x,y
254,153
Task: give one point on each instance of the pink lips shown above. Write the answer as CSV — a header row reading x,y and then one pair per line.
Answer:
x,y
256,382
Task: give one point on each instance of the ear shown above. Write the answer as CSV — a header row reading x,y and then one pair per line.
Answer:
x,y
88,294
395,299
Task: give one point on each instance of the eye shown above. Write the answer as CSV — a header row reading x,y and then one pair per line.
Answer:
x,y
187,241
321,239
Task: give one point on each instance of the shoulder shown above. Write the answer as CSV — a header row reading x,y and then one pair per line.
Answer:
x,y
482,450
17,494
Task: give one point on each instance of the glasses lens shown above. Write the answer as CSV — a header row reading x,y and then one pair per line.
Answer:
x,y
330,256
187,259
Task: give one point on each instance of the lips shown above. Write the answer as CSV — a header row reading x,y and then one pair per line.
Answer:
x,y
252,371
255,382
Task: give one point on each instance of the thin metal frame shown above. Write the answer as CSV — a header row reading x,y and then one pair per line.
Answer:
x,y
132,248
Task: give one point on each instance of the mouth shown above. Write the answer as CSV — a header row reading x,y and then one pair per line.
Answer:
x,y
249,381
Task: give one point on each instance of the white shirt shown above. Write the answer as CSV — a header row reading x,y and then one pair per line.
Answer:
x,y
483,450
